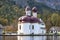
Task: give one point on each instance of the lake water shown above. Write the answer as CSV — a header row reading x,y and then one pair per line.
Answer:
x,y
30,38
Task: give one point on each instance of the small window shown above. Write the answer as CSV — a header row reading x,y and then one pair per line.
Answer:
x,y
20,27
51,31
32,26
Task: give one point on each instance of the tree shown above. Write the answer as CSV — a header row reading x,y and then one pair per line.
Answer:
x,y
3,21
54,19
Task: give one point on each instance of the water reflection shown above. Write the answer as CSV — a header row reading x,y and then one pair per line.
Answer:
x,y
31,38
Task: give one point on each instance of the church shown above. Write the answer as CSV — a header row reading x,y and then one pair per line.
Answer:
x,y
30,23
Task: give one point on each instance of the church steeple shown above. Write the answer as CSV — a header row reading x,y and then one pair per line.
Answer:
x,y
28,11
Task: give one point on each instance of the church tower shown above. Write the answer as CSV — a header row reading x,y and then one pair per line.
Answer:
x,y
34,11
28,11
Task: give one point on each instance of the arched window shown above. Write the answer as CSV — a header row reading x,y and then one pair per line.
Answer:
x,y
32,26
20,27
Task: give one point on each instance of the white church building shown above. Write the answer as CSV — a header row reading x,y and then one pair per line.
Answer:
x,y
30,24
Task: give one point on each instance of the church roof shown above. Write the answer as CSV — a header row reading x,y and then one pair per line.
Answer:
x,y
55,28
29,19
34,9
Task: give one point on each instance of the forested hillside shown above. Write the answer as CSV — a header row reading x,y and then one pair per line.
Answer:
x,y
10,12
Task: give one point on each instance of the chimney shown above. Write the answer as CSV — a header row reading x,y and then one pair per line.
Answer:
x,y
28,11
34,11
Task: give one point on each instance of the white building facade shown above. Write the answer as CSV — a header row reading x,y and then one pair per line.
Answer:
x,y
31,28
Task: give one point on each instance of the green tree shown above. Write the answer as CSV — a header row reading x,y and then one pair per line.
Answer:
x,y
54,19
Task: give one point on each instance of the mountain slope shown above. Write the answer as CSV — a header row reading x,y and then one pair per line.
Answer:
x,y
55,4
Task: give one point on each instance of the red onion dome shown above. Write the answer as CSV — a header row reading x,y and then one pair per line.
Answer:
x,y
35,20
25,19
29,19
34,9
27,8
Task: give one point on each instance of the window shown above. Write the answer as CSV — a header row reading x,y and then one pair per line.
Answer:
x,y
29,26
20,27
42,27
32,26
51,31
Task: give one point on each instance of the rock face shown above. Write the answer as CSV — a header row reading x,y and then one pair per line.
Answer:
x,y
55,4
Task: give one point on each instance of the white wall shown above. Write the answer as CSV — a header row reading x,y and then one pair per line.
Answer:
x,y
36,28
44,28
26,28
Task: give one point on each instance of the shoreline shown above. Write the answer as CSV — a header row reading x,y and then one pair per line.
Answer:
x,y
33,35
